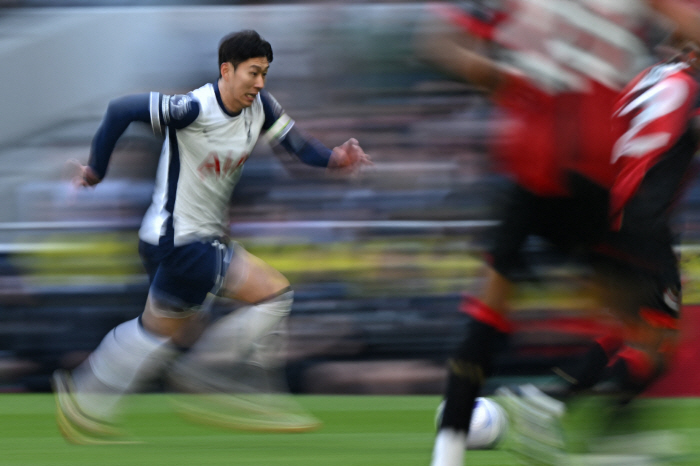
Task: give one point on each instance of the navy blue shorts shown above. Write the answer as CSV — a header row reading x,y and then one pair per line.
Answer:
x,y
182,276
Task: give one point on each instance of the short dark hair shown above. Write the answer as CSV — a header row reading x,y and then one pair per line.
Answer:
x,y
240,46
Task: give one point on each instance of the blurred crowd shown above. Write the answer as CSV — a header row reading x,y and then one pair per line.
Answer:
x,y
378,262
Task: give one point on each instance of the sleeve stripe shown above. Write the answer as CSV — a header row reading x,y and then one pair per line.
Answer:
x,y
165,111
279,129
155,115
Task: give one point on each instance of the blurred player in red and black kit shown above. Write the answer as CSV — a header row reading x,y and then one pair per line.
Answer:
x,y
555,70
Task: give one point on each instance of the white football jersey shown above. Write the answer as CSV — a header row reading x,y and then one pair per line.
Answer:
x,y
199,166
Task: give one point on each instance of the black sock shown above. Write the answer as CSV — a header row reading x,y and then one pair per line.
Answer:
x,y
470,365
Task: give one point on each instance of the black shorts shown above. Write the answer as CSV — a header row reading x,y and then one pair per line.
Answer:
x,y
640,256
569,224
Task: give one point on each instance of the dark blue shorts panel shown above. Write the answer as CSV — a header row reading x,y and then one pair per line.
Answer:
x,y
183,276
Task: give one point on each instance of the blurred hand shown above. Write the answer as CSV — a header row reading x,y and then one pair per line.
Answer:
x,y
82,176
348,158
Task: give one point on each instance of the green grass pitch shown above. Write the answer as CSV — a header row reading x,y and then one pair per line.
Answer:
x,y
357,431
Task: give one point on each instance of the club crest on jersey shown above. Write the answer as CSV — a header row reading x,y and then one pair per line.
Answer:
x,y
179,106
215,165
247,128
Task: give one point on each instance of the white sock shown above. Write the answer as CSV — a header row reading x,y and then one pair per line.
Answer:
x,y
128,357
238,333
449,448
252,335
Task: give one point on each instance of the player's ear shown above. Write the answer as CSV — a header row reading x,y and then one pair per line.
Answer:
x,y
225,69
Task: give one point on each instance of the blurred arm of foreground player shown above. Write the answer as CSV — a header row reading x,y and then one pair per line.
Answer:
x,y
454,51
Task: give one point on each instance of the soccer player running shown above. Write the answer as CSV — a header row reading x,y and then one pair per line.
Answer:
x,y
557,74
209,134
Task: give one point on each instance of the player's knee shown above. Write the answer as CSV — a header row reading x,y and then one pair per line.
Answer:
x,y
266,283
486,332
473,358
162,318
278,283
252,280
278,304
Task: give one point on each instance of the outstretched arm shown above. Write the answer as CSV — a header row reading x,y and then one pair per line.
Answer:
x,y
441,42
159,110
120,113
282,130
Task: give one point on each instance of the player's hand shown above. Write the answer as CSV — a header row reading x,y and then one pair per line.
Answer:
x,y
349,158
82,176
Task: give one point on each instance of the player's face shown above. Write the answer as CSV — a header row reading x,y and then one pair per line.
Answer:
x,y
240,85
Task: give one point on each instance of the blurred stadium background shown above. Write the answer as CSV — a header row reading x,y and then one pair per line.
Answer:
x,y
379,262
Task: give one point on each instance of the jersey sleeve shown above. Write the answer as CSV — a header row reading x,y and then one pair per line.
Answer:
x,y
175,111
281,130
159,110
653,119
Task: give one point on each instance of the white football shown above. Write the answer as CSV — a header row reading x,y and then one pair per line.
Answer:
x,y
488,426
